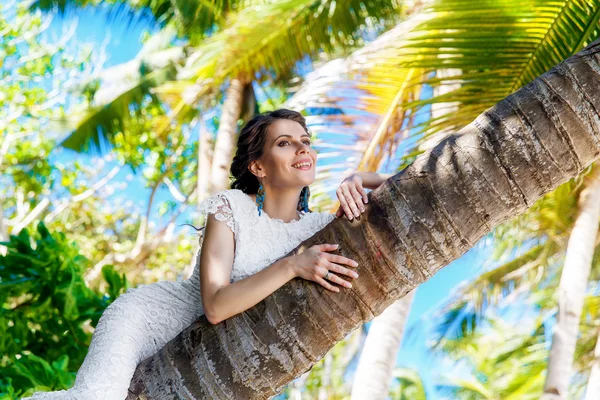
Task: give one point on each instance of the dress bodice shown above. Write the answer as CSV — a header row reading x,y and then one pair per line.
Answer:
x,y
259,240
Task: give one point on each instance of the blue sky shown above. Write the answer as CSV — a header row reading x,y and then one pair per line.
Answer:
x,y
122,44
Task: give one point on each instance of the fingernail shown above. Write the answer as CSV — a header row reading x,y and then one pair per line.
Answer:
x,y
362,209
349,285
350,218
357,215
355,275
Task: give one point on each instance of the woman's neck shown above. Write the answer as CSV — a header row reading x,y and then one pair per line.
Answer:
x,y
280,204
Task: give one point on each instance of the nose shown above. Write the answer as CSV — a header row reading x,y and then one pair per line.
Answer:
x,y
304,148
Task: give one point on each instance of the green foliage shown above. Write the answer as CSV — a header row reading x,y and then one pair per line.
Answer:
x,y
38,87
195,19
46,311
198,68
410,385
496,47
508,362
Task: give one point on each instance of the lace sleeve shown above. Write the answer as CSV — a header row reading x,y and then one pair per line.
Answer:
x,y
220,206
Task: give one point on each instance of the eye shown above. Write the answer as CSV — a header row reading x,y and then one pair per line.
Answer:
x,y
308,142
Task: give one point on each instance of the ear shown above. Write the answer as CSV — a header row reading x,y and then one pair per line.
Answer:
x,y
256,169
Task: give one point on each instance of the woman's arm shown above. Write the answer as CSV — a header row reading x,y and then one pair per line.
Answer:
x,y
371,180
241,295
222,299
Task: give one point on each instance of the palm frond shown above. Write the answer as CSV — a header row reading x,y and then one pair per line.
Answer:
x,y
195,19
462,314
411,384
121,94
498,46
359,101
460,386
96,128
245,49
507,363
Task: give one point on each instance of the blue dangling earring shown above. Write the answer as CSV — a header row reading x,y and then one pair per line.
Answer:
x,y
260,198
304,200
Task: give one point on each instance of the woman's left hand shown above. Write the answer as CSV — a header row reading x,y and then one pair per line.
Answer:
x,y
351,195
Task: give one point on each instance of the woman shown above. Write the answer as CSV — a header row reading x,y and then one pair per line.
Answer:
x,y
249,228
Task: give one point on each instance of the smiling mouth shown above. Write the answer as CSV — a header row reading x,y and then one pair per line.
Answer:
x,y
304,167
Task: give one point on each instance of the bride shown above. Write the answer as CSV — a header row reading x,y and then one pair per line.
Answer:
x,y
248,229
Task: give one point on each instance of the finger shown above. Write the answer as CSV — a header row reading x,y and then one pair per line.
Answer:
x,y
336,279
326,284
340,259
350,202
341,270
328,246
364,194
339,212
357,198
344,204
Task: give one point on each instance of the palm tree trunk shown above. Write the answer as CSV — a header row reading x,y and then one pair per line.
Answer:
x,y
572,288
226,136
416,222
378,358
204,149
593,387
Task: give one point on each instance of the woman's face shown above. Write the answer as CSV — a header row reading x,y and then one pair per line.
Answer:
x,y
286,145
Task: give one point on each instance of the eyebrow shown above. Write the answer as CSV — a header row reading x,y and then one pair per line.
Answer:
x,y
306,134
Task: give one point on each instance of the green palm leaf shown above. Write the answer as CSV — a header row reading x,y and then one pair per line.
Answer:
x,y
499,46
507,363
296,28
196,19
121,95
245,49
411,385
358,101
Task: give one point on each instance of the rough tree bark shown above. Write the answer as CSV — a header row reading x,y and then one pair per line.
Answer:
x,y
572,290
415,223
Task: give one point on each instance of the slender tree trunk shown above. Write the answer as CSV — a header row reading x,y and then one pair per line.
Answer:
x,y
415,223
572,288
592,391
226,136
203,161
378,358
326,378
3,231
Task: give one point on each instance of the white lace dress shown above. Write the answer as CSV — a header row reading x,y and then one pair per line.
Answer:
x,y
142,320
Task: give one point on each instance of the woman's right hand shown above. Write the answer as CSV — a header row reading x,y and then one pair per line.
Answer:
x,y
313,263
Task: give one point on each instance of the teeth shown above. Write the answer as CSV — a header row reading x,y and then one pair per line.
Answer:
x,y
301,165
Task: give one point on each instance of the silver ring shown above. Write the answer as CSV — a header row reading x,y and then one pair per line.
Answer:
x,y
326,275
